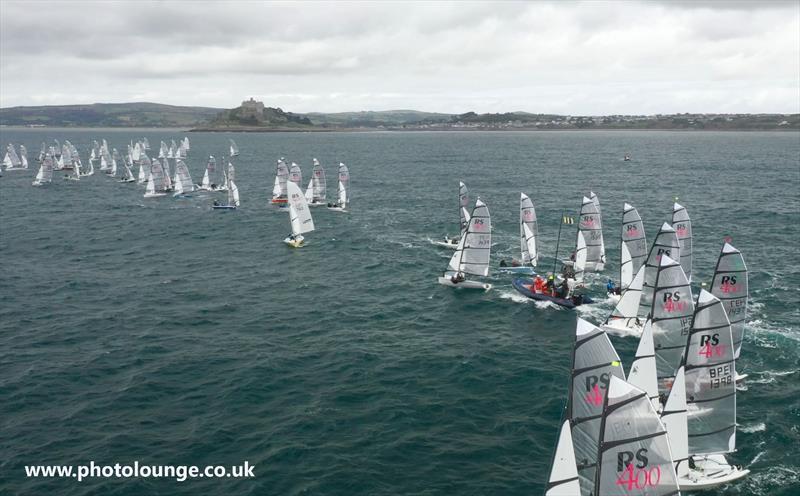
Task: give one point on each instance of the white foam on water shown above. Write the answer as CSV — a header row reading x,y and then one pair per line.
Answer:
x,y
757,457
593,313
769,376
749,429
513,296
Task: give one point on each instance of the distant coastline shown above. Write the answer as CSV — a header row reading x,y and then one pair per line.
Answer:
x,y
254,117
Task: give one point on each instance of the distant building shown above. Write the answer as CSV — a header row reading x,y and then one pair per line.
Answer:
x,y
252,109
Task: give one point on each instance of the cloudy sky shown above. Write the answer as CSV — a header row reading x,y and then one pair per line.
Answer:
x,y
563,57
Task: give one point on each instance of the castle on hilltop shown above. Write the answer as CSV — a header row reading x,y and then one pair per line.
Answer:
x,y
252,109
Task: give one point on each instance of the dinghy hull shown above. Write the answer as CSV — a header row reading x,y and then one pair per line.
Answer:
x,y
224,207
446,281
523,286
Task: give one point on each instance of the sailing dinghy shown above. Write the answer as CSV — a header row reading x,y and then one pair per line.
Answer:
x,y
591,226
633,245
279,190
315,193
472,253
730,285
45,173
343,197
156,180
234,150
528,231
11,160
233,198
299,216
183,184
594,363
463,203
624,319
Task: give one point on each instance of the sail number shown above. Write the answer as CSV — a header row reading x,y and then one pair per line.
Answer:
x,y
720,376
636,476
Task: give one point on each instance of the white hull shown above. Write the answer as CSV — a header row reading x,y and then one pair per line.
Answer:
x,y
337,209
15,168
154,195
740,378
445,281
447,244
709,473
294,243
317,204
127,180
618,328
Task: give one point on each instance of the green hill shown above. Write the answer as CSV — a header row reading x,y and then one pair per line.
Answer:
x,y
108,115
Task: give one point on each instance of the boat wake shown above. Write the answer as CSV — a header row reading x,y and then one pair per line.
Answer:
x,y
749,429
770,376
514,296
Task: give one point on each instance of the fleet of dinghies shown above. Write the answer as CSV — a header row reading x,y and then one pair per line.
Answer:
x,y
166,173
669,425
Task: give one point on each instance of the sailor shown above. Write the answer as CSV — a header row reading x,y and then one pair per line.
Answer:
x,y
549,285
515,262
610,287
216,203
503,263
563,289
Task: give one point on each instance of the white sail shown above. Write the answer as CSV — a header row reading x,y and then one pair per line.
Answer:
x,y
564,473
463,205
23,157
281,176
579,265
627,309
157,175
344,180
150,189
299,213
310,191
183,180
633,236
186,144
591,226
231,172
276,189
45,172
143,173
295,174
234,150
730,285
674,417
233,194
342,198
665,243
113,169
634,452
671,311
683,229
594,361
163,150
642,373
320,186
625,267
206,182
474,248
145,144
710,379
528,231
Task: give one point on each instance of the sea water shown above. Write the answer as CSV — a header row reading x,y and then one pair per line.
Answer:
x,y
161,331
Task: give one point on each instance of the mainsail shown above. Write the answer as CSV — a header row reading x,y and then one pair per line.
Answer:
x,y
634,456
45,172
183,181
627,308
590,225
710,384
475,246
634,241
295,174
319,193
730,285
594,361
528,230
683,228
463,204
563,474
299,213
671,311
233,194
665,243
23,156
281,175
579,265
642,373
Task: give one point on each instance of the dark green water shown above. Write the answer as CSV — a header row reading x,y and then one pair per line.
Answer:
x,y
158,330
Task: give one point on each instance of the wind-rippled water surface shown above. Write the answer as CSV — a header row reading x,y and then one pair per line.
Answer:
x,y
161,331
